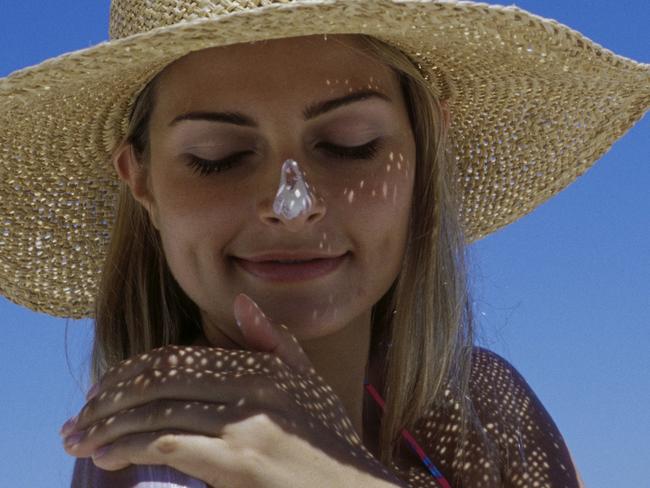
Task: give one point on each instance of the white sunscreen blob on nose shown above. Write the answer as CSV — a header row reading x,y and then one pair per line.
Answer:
x,y
294,196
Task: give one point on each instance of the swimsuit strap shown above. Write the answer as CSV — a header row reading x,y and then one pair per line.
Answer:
x,y
415,447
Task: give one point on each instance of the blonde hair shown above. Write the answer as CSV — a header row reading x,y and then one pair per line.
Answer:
x,y
425,317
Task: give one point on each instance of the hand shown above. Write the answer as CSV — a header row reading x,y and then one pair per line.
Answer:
x,y
256,418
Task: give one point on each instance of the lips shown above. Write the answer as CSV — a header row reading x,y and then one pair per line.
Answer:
x,y
288,256
276,271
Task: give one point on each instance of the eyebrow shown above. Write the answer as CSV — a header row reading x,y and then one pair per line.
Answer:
x,y
311,112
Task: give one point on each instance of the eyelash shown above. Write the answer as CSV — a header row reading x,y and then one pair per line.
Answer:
x,y
205,167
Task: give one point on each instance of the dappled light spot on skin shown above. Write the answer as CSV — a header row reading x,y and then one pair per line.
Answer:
x,y
505,411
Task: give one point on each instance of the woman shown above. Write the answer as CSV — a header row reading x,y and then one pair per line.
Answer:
x,y
382,206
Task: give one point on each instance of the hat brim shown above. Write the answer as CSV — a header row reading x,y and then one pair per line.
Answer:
x,y
534,104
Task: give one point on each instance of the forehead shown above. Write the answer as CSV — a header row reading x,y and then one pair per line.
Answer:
x,y
309,67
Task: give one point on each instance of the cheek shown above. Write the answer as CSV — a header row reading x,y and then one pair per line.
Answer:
x,y
190,206
378,207
195,219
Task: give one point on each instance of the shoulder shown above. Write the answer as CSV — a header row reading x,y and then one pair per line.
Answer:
x,y
511,413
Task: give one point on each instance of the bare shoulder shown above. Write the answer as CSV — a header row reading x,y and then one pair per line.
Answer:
x,y
531,446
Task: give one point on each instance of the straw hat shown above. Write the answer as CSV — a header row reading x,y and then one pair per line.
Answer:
x,y
534,105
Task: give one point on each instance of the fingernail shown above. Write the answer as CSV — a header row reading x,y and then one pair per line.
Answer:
x,y
73,439
92,392
101,451
68,426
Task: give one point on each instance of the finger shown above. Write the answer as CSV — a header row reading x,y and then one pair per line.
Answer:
x,y
162,358
209,459
244,381
202,418
261,334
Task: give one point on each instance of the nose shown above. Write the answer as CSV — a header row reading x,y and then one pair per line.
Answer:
x,y
296,203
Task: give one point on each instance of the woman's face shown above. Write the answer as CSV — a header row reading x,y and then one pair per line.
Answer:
x,y
206,218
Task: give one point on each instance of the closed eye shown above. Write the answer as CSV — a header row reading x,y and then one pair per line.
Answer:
x,y
205,167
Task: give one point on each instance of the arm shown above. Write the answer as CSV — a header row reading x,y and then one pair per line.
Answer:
x,y
530,444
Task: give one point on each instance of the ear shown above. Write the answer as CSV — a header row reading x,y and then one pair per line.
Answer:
x,y
135,175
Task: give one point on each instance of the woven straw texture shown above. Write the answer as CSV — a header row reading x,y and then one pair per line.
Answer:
x,y
534,105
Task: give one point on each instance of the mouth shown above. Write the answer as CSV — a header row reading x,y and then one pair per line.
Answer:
x,y
287,270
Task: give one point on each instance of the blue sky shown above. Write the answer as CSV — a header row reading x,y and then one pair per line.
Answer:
x,y
563,294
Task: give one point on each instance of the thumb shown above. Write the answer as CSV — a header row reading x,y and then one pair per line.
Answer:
x,y
261,334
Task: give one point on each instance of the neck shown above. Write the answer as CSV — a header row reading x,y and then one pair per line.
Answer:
x,y
341,359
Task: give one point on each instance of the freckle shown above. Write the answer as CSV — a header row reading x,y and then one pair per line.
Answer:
x,y
384,189
351,196
391,156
